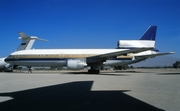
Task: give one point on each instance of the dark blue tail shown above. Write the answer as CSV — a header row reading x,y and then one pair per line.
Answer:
x,y
150,34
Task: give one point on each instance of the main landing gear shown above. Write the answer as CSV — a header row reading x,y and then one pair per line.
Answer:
x,y
94,69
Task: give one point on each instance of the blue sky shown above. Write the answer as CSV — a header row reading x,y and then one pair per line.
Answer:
x,y
88,23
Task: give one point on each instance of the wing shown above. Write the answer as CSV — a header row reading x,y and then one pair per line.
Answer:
x,y
104,57
152,55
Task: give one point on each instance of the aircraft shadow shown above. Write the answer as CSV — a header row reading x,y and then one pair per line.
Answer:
x,y
74,96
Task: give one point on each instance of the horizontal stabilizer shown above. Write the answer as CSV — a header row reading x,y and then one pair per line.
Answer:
x,y
152,55
27,41
24,36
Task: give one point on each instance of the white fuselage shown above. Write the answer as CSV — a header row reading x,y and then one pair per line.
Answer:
x,y
59,57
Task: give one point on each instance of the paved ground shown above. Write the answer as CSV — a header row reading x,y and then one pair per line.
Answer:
x,y
135,90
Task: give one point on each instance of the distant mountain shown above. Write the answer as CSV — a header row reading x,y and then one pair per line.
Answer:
x,y
157,61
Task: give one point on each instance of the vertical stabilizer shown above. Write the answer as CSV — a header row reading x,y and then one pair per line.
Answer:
x,y
27,41
147,40
150,34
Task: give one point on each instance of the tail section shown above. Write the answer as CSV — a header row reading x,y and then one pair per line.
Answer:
x,y
147,40
27,41
150,34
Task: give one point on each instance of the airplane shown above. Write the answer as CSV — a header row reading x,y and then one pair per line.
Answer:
x,y
26,44
77,59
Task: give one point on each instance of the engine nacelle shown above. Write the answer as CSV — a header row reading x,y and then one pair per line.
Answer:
x,y
76,64
135,43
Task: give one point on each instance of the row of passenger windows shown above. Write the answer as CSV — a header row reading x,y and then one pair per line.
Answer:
x,y
61,55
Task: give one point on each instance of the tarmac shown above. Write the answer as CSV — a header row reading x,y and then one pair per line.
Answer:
x,y
131,90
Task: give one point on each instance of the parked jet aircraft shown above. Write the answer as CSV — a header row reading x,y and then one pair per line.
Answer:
x,y
76,59
26,44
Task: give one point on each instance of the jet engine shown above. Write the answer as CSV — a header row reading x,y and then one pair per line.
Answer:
x,y
76,64
135,43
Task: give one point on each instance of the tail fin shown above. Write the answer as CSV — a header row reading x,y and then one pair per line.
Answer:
x,y
147,40
150,34
27,41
